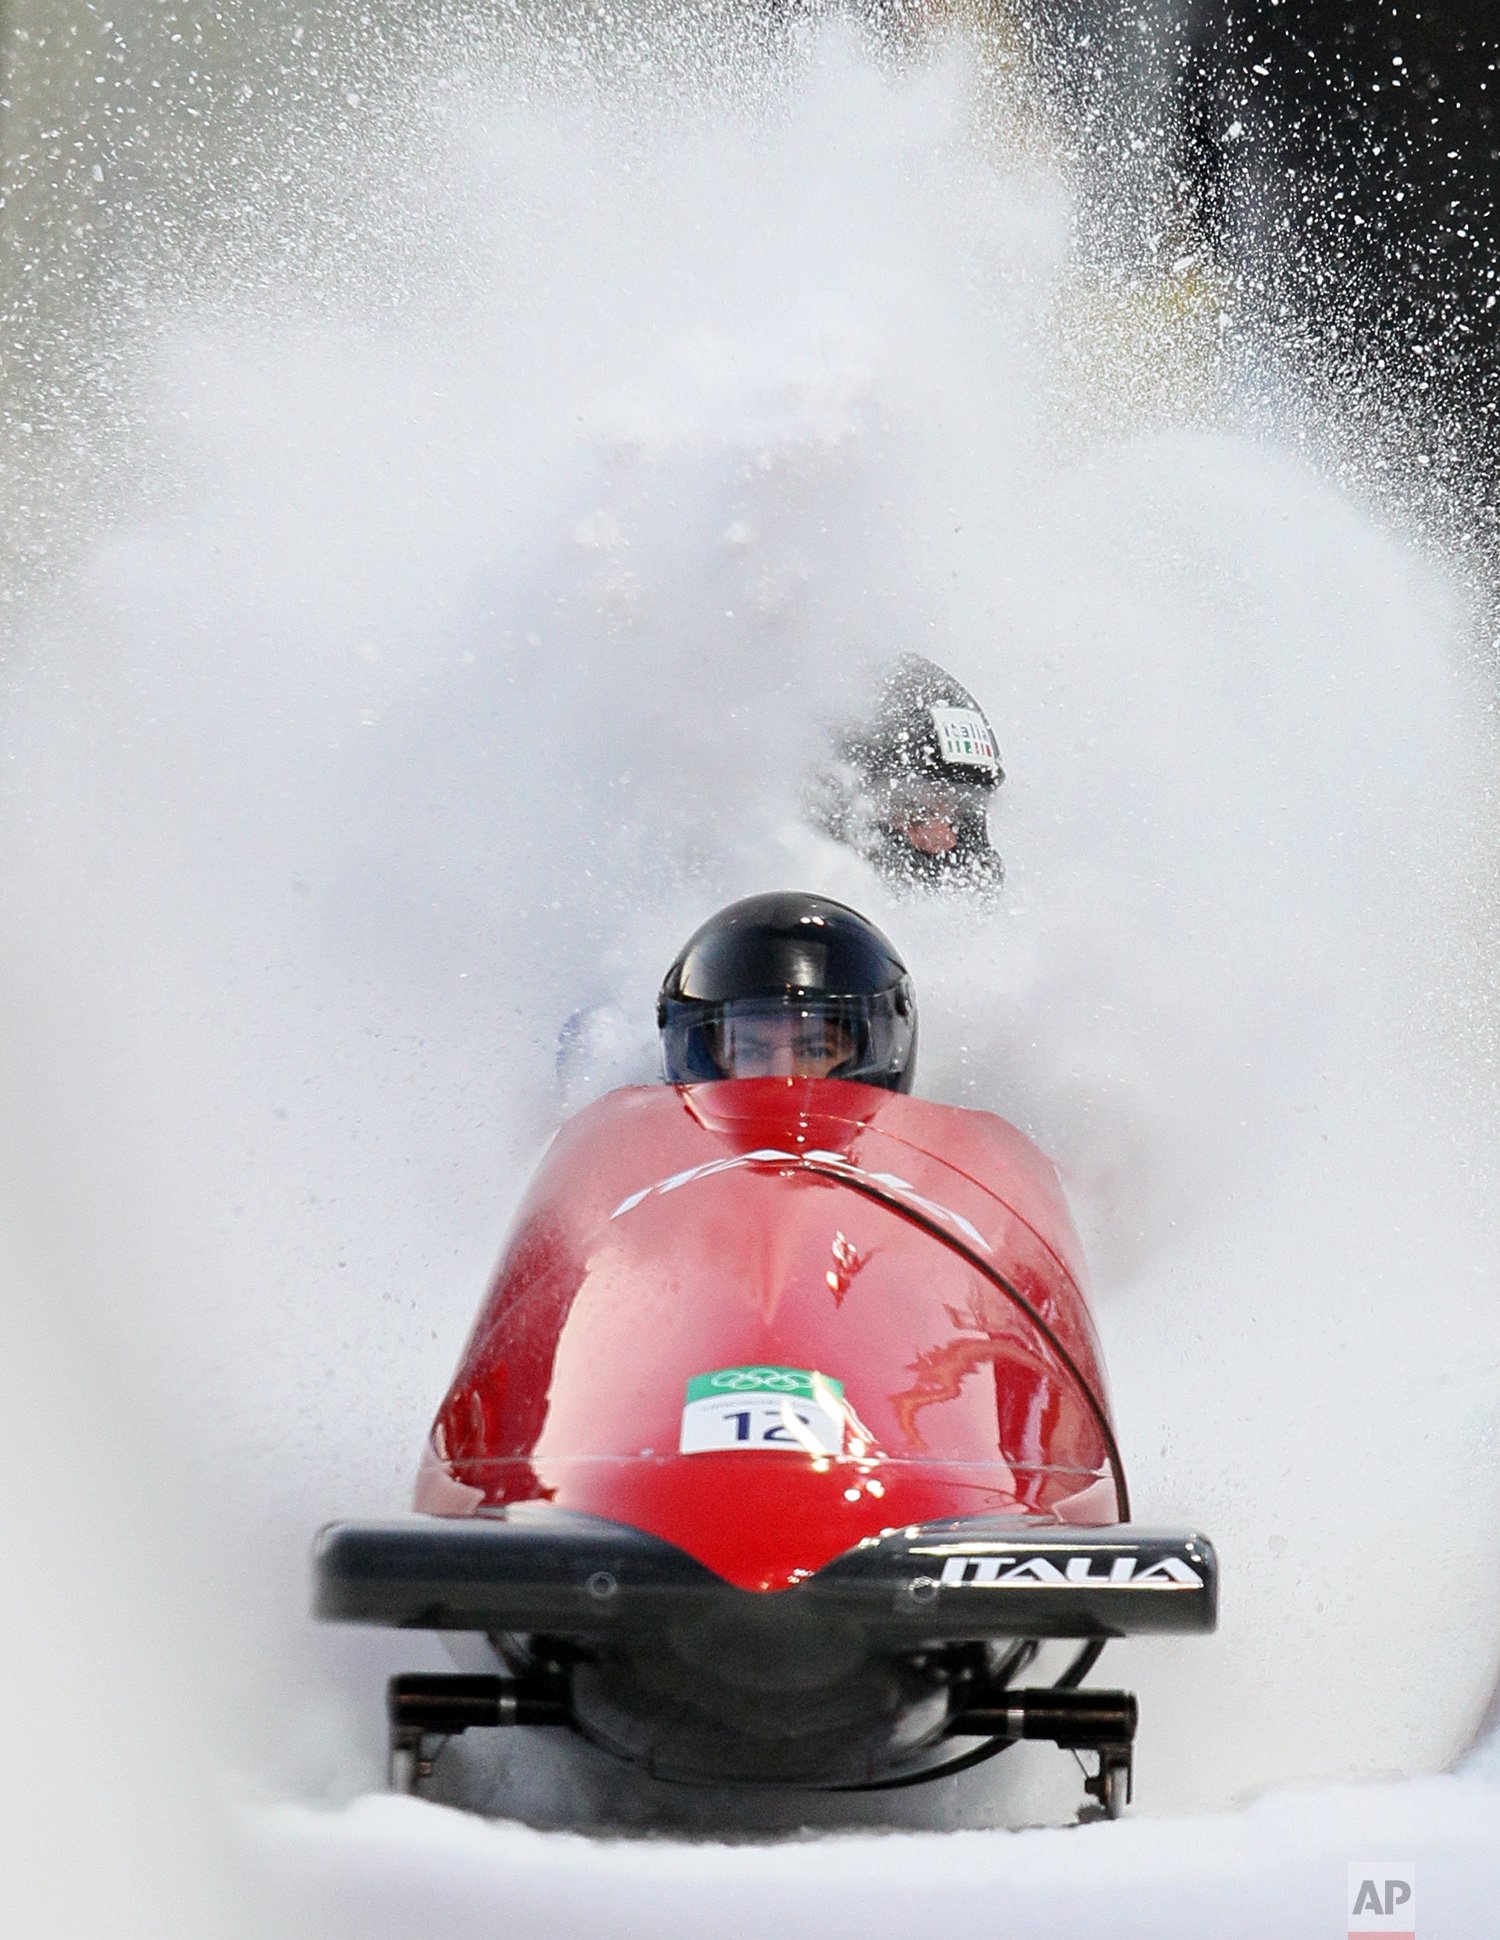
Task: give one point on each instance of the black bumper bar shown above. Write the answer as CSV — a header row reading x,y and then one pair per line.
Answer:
x,y
550,1572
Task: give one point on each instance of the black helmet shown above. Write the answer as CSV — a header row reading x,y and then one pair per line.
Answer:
x,y
929,724
799,973
910,789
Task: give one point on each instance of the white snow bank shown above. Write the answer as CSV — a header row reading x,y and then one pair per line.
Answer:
x,y
393,1867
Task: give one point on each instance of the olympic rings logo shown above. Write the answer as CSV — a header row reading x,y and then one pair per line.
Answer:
x,y
766,1380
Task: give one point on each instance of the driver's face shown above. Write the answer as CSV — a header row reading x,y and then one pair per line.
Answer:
x,y
796,1044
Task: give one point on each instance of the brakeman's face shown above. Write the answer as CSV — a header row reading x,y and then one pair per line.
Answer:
x,y
925,815
931,835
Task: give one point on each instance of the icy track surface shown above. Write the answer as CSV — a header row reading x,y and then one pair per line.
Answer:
x,y
509,521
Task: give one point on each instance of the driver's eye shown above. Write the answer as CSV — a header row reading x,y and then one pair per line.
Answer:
x,y
751,1045
826,1040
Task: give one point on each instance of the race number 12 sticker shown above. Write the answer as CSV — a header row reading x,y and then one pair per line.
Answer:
x,y
785,1408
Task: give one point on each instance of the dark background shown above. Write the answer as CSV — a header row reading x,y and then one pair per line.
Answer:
x,y
1339,162
1361,199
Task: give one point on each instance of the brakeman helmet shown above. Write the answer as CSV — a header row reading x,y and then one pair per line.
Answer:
x,y
909,787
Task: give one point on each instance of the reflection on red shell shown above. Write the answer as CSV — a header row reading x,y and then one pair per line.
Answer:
x,y
787,1224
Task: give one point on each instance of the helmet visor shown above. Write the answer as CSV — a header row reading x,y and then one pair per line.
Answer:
x,y
867,1039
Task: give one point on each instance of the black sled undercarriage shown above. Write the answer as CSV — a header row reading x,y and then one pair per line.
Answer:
x,y
893,1665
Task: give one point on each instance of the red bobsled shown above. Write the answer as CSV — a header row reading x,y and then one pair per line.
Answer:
x,y
780,1445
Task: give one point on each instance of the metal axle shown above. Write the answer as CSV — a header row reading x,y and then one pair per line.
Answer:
x,y
1102,1722
425,1705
